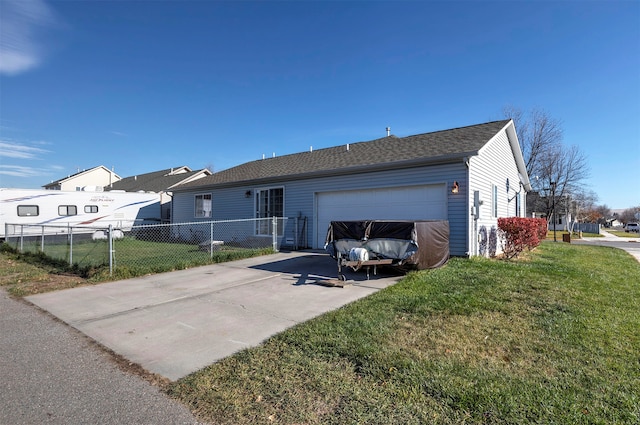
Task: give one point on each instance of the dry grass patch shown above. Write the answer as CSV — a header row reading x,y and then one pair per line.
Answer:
x,y
23,279
492,340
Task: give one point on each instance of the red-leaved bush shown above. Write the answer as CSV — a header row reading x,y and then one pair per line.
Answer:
x,y
520,233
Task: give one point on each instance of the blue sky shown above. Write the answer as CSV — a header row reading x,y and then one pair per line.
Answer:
x,y
146,85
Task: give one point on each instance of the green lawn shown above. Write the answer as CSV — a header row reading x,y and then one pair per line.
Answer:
x,y
623,234
134,257
551,338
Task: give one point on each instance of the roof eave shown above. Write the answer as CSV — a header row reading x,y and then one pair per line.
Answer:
x,y
443,159
510,129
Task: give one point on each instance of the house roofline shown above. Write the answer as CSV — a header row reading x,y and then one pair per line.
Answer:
x,y
444,159
510,130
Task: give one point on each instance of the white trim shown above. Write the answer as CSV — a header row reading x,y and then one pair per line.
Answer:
x,y
195,205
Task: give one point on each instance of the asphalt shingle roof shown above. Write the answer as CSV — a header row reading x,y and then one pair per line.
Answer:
x,y
384,152
156,181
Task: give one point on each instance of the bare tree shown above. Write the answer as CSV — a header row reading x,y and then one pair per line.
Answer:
x,y
556,171
582,202
566,166
630,215
539,135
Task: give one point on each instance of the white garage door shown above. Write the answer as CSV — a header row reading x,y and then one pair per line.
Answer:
x,y
428,202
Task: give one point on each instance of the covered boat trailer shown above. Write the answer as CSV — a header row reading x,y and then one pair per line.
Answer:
x,y
403,244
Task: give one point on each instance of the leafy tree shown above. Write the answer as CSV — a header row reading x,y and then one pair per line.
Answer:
x,y
597,214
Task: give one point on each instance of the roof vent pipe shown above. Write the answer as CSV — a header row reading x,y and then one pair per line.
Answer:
x,y
388,131
311,148
347,146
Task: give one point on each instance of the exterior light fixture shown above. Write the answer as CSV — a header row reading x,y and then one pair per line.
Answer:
x,y
455,188
247,194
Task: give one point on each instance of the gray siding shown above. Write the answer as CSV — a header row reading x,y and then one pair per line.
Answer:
x,y
492,167
230,203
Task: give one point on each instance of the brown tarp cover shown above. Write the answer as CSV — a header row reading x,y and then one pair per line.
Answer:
x,y
417,244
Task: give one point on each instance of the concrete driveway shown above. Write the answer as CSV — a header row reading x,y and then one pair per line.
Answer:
x,y
176,323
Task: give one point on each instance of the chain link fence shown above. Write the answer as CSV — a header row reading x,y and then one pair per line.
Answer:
x,y
160,247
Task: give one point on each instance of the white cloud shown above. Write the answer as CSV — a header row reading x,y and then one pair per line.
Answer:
x,y
19,171
119,134
19,151
21,44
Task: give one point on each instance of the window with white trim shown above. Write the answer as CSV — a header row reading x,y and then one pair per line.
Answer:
x,y
269,203
203,205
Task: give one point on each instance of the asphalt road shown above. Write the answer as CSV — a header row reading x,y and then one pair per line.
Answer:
x,y
629,244
52,374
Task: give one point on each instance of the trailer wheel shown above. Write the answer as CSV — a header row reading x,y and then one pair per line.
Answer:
x,y
342,277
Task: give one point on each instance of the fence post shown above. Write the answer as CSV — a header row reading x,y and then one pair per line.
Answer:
x,y
274,224
110,250
70,246
211,242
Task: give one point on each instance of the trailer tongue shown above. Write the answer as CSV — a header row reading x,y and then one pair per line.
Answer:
x,y
402,244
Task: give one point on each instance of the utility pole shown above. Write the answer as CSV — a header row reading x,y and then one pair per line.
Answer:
x,y
553,208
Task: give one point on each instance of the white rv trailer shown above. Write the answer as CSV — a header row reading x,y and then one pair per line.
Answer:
x,y
59,209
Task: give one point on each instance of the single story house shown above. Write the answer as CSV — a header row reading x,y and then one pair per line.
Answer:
x,y
469,176
161,182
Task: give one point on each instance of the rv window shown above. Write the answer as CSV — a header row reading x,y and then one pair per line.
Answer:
x,y
91,208
28,210
67,210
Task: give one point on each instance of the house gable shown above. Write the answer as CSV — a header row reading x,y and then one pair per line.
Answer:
x,y
95,178
158,181
498,174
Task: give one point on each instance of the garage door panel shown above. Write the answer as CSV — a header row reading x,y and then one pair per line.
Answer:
x,y
427,202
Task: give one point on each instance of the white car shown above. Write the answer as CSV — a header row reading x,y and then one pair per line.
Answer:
x,y
632,227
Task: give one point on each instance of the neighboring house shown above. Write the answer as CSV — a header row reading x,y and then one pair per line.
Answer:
x,y
439,175
538,207
90,180
161,182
